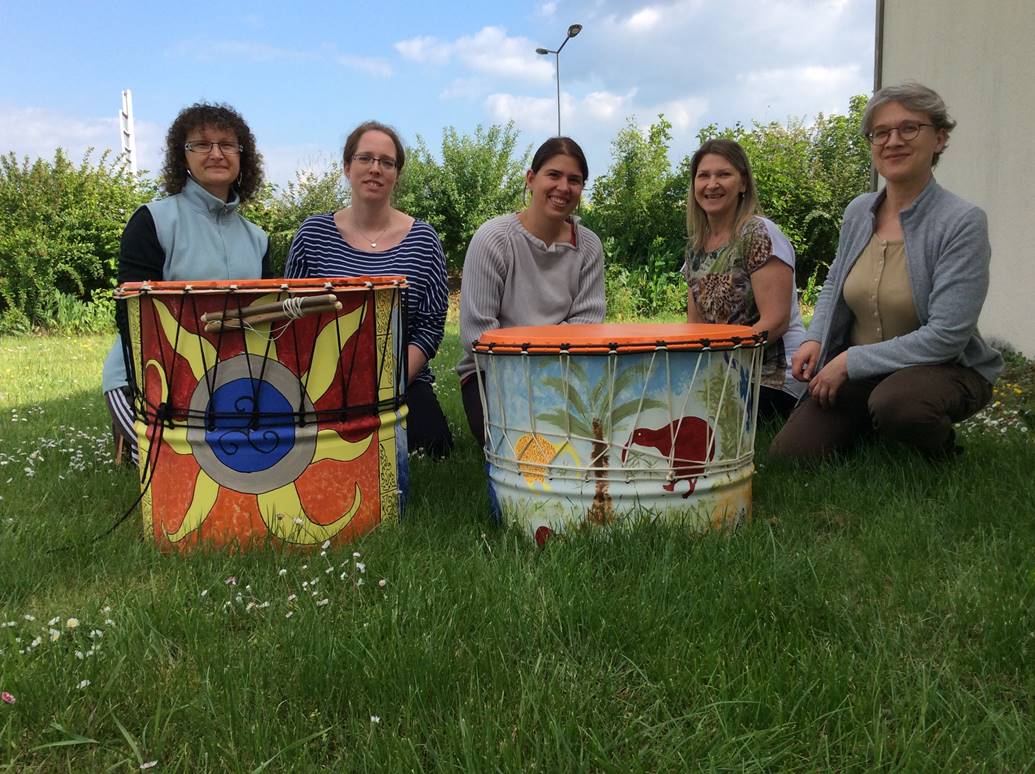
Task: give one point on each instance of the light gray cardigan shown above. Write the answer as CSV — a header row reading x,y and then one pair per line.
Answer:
x,y
947,254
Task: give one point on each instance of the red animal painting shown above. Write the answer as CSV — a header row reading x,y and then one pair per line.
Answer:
x,y
693,440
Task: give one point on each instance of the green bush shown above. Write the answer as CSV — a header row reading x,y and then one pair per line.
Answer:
x,y
479,177
280,211
60,226
655,289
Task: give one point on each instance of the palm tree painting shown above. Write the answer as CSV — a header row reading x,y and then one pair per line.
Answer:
x,y
593,409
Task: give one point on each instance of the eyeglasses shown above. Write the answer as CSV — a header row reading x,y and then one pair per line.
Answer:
x,y
366,160
204,146
906,131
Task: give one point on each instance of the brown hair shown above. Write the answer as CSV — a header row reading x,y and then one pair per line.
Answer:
x,y
373,126
696,221
174,172
560,146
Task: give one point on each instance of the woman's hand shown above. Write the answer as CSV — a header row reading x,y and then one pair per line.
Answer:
x,y
692,313
804,361
415,361
828,381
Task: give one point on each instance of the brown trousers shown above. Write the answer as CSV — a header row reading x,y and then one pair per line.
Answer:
x,y
916,405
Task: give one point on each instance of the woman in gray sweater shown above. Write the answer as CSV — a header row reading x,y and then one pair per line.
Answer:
x,y
893,347
539,266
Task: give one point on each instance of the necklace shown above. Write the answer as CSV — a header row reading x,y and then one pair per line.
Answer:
x,y
372,242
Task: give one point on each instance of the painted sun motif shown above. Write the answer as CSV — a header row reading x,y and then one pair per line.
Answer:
x,y
244,465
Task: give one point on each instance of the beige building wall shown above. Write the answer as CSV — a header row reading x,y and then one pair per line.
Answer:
x,y
980,56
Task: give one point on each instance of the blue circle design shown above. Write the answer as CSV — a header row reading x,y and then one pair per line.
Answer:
x,y
249,425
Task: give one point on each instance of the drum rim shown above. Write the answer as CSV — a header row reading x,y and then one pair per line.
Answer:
x,y
597,338
314,284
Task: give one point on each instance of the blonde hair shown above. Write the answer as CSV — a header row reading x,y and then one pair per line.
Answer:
x,y
696,221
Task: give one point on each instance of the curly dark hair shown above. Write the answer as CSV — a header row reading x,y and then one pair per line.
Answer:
x,y
218,116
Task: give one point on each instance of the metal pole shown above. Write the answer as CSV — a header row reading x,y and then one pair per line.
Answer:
x,y
558,57
126,131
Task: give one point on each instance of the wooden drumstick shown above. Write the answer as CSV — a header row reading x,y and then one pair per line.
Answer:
x,y
236,323
233,313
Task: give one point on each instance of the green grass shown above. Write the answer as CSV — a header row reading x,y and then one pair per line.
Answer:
x,y
876,614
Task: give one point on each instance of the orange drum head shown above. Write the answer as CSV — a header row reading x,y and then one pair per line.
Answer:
x,y
260,285
625,337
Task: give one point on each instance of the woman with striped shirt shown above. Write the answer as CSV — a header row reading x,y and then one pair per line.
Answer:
x,y
371,237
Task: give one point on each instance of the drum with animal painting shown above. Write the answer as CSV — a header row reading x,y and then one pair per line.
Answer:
x,y
596,424
268,411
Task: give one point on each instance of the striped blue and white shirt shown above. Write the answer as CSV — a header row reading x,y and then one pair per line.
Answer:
x,y
318,250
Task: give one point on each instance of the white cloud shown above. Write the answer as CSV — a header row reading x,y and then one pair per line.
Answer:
x,y
490,51
779,93
644,20
548,9
286,163
250,51
536,115
37,133
605,106
424,49
370,65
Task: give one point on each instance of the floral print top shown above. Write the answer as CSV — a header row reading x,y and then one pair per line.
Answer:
x,y
720,284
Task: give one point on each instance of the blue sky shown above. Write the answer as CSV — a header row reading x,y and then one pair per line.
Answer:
x,y
304,74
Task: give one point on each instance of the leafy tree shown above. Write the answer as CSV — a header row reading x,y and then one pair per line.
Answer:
x,y
638,205
478,178
279,212
60,226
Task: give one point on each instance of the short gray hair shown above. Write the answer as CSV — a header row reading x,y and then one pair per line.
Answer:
x,y
912,96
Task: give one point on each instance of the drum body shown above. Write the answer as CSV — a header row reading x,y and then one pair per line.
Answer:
x,y
290,432
596,424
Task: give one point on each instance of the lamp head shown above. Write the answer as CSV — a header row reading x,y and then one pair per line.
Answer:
x,y
574,30
541,51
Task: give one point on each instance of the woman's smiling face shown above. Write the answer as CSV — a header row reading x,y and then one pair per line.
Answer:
x,y
718,186
374,180
898,160
557,187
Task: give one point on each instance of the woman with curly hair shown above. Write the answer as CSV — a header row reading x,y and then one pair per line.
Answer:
x,y
194,233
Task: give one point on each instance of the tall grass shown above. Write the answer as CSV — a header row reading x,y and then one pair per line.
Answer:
x,y
877,613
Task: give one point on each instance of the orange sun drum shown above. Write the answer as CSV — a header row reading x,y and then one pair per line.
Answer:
x,y
593,424
268,411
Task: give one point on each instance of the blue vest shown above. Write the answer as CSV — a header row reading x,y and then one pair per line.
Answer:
x,y
203,238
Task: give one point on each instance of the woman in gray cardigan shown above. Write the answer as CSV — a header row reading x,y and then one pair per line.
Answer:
x,y
893,347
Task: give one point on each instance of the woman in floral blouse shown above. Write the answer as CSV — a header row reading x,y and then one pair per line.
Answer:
x,y
740,267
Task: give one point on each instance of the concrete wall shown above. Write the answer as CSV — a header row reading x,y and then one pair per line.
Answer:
x,y
980,56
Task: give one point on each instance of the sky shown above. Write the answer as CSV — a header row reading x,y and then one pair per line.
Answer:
x,y
304,74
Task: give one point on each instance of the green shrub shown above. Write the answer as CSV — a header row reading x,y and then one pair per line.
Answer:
x,y
655,289
280,211
60,226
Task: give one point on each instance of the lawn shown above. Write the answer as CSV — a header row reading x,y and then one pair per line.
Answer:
x,y
878,613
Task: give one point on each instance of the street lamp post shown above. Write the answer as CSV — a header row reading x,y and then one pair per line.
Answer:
x,y
573,30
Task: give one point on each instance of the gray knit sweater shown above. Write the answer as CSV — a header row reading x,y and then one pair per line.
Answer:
x,y
513,278
947,254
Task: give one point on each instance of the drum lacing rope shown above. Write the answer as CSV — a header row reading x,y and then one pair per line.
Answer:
x,y
292,307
